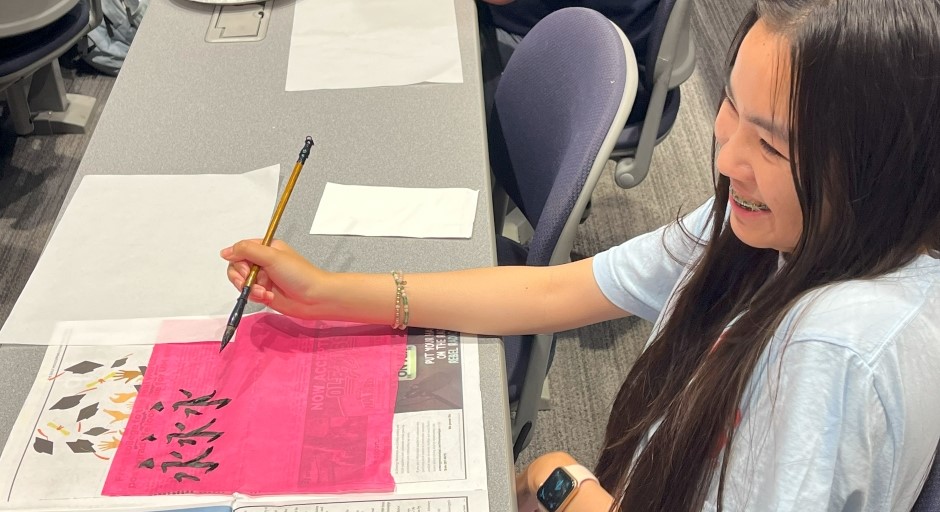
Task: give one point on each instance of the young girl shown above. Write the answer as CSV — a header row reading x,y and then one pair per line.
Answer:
x,y
795,359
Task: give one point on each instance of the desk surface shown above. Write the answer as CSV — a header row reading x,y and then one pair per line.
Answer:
x,y
182,105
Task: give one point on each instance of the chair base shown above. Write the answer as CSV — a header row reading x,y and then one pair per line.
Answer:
x,y
73,120
39,104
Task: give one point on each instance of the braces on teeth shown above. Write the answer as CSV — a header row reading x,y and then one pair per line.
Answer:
x,y
754,207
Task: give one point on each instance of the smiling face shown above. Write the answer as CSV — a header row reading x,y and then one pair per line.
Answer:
x,y
751,130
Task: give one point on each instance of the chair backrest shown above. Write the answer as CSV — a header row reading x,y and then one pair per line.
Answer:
x,y
21,16
23,54
560,104
562,100
929,499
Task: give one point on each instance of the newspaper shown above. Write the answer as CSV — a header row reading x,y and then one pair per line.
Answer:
x,y
59,452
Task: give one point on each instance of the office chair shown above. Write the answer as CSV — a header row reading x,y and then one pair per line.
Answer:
x,y
33,34
556,139
929,498
669,61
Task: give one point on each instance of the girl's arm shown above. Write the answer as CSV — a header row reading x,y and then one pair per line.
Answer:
x,y
495,300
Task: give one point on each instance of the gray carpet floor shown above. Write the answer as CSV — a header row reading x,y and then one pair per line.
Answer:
x,y
590,363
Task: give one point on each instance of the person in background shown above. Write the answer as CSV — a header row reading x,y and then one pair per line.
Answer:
x,y
794,360
512,19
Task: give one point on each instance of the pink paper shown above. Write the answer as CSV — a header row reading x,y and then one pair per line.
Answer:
x,y
290,406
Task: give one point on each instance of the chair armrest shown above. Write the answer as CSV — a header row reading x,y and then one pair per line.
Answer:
x,y
679,44
95,14
631,171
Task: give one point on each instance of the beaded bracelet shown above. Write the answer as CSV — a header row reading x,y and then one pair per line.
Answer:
x,y
401,301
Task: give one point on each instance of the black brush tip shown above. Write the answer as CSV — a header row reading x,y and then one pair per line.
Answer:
x,y
227,337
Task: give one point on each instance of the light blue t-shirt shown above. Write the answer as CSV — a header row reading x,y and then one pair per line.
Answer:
x,y
848,416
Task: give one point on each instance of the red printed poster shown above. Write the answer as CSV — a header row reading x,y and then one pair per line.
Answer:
x,y
290,406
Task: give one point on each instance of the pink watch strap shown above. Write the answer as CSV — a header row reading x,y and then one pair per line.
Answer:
x,y
579,472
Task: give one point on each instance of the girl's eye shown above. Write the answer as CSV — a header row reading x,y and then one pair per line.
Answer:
x,y
731,104
769,150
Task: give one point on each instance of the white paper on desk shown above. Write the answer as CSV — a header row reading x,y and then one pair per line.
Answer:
x,y
142,246
394,211
372,43
139,331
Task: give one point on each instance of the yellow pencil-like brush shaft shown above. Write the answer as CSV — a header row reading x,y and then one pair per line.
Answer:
x,y
235,318
276,218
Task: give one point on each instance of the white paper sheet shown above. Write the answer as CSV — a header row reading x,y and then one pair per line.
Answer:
x,y
394,211
141,247
371,43
139,331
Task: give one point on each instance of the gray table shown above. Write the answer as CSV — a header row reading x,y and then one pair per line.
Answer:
x,y
182,105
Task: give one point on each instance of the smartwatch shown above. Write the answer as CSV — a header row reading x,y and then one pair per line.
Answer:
x,y
557,491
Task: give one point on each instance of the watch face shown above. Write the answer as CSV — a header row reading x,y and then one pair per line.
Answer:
x,y
556,488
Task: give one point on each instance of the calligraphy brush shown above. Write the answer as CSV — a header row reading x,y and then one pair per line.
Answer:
x,y
239,309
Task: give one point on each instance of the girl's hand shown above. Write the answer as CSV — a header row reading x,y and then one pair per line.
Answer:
x,y
286,281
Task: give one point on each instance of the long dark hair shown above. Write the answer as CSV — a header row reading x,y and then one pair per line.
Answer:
x,y
865,145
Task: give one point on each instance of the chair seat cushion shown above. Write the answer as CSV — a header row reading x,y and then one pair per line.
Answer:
x,y
23,50
510,252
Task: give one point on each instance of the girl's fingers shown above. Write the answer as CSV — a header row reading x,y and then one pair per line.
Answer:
x,y
235,277
242,267
229,253
260,294
263,279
